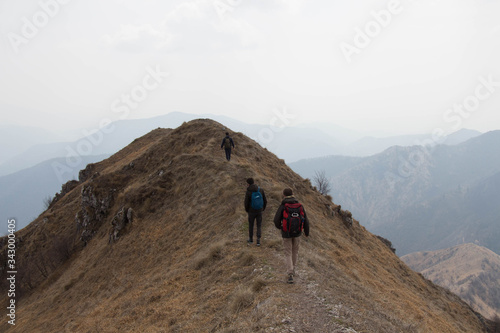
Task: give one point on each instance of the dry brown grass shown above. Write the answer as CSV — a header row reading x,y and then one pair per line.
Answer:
x,y
468,270
184,265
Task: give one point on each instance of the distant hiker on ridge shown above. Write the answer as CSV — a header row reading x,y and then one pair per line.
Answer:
x,y
255,204
227,143
291,219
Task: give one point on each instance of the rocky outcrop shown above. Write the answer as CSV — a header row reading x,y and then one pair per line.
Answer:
x,y
65,188
344,214
95,206
122,219
387,242
87,173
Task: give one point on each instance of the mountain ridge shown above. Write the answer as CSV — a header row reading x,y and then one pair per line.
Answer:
x,y
182,263
317,139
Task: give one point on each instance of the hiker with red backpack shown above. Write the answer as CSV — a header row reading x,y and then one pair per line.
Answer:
x,y
255,204
292,220
227,144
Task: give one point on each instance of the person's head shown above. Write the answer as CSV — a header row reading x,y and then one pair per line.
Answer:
x,y
250,181
227,133
287,192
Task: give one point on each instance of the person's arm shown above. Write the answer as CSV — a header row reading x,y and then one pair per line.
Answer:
x,y
278,217
247,201
306,223
264,198
222,144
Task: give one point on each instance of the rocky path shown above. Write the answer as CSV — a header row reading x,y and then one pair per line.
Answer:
x,y
303,307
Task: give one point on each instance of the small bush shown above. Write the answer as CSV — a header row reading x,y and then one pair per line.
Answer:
x,y
212,254
247,259
242,298
47,201
258,285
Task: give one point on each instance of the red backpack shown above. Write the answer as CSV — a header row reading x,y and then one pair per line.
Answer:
x,y
293,219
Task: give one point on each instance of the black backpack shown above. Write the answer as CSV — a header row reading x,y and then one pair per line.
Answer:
x,y
227,143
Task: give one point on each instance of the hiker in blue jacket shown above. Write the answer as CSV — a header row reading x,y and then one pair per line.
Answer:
x,y
227,143
255,204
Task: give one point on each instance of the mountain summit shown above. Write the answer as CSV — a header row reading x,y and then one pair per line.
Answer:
x,y
153,239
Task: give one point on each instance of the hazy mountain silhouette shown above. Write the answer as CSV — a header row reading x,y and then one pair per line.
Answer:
x,y
16,139
419,197
468,214
311,140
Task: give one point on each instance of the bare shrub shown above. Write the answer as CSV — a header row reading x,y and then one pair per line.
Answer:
x,y
62,249
209,256
241,299
322,182
47,201
247,259
258,285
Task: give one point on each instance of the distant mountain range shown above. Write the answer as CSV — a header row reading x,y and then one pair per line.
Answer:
x,y
32,146
468,270
421,198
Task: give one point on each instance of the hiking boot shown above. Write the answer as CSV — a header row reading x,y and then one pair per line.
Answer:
x,y
249,241
258,242
290,278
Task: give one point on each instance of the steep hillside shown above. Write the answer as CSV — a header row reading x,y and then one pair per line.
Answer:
x,y
461,216
182,264
469,270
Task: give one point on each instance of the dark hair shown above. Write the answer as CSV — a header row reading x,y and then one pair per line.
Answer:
x,y
287,192
227,133
250,181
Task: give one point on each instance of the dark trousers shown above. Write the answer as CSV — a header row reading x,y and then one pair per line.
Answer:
x,y
252,216
228,153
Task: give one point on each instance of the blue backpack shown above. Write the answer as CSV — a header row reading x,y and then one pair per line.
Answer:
x,y
257,201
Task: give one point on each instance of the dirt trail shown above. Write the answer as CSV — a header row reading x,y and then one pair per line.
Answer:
x,y
301,306
307,310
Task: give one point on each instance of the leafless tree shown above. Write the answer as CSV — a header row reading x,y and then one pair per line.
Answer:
x,y
47,201
322,182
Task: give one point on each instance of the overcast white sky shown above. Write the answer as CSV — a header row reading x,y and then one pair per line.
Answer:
x,y
399,66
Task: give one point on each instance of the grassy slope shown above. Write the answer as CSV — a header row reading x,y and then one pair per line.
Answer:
x,y
469,270
183,265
